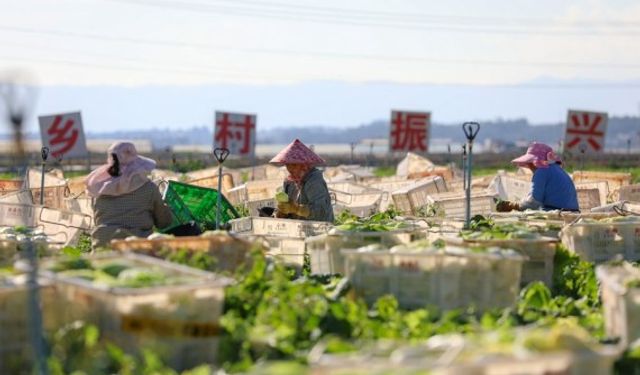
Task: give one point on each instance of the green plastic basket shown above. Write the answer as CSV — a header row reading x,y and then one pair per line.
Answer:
x,y
196,203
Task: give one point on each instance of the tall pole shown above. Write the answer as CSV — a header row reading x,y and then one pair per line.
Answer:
x,y
17,99
221,155
470,130
45,155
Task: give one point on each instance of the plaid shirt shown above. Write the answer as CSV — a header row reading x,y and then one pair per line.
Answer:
x,y
132,214
314,194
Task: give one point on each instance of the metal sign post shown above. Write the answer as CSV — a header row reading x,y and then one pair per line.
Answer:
x,y
470,129
221,155
44,152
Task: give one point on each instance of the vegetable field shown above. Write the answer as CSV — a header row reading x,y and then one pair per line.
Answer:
x,y
398,284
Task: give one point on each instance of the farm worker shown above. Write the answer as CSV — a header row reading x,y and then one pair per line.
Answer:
x,y
126,202
551,187
307,196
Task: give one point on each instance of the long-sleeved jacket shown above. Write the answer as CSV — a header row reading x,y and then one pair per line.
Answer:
x,y
132,214
314,194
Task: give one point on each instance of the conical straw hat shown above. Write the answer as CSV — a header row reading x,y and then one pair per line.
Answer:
x,y
297,153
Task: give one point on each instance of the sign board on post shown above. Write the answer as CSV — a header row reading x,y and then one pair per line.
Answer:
x,y
585,131
63,135
409,131
237,132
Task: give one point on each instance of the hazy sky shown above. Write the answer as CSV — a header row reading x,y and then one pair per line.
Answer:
x,y
179,42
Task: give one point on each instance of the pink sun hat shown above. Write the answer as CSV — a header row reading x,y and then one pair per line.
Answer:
x,y
297,153
539,154
133,171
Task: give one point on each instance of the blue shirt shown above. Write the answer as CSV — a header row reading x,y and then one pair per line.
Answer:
x,y
552,189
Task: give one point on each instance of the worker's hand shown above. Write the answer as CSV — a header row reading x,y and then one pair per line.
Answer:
x,y
506,206
302,210
286,208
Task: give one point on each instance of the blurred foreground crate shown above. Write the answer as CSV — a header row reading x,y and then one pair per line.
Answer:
x,y
180,322
15,346
620,293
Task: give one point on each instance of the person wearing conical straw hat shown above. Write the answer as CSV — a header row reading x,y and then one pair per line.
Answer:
x,y
551,187
305,186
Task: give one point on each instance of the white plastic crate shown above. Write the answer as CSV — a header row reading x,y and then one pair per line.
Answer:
x,y
63,227
238,195
279,227
540,253
448,280
388,186
620,302
629,193
410,199
54,177
179,322
83,205
228,251
510,188
9,186
615,180
15,345
20,196
54,196
290,250
325,249
588,198
599,242
211,182
453,205
255,206
263,189
359,211
602,186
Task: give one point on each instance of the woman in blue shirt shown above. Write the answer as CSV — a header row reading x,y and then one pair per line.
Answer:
x,y
551,187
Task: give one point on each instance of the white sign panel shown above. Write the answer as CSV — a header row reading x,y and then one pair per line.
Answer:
x,y
236,132
63,135
585,131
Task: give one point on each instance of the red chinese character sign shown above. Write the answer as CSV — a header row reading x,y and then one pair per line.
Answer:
x,y
409,131
237,132
585,131
63,135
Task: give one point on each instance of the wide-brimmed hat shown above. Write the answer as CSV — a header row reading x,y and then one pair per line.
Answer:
x,y
538,154
133,171
297,153
128,156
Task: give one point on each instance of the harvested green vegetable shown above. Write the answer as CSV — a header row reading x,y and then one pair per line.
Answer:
x,y
282,197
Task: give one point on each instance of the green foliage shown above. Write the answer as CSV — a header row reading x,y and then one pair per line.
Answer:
x,y
189,165
77,348
196,259
379,222
242,210
384,171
